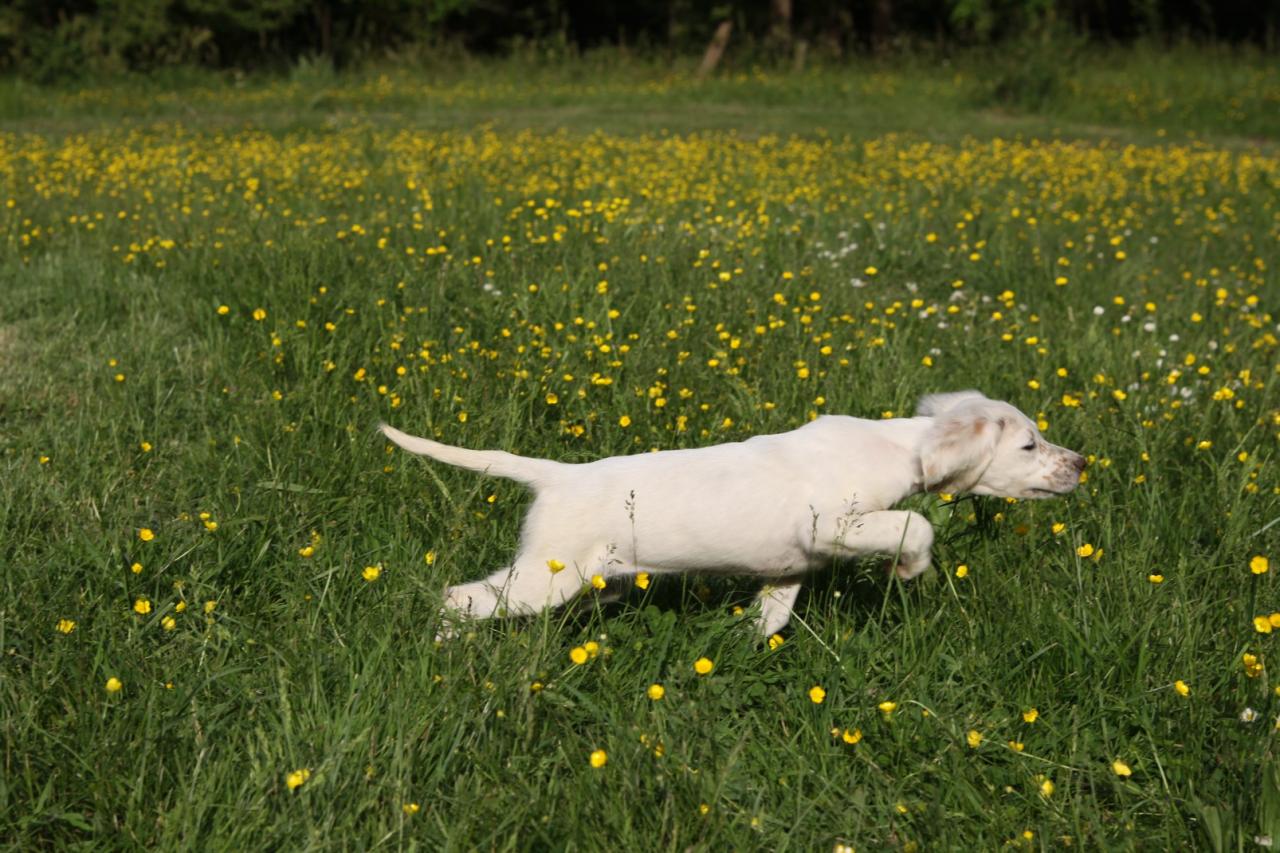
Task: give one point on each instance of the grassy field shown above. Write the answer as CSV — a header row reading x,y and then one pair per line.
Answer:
x,y
220,586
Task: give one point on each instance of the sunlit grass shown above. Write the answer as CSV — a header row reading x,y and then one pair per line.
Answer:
x,y
221,587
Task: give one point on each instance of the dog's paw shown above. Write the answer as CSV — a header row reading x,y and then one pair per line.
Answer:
x,y
445,630
768,623
909,566
912,565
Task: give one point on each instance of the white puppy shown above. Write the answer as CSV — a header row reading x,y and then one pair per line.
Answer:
x,y
773,506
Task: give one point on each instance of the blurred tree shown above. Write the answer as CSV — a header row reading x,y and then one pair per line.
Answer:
x,y
51,39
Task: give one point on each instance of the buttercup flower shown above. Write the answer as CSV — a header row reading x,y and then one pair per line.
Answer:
x,y
702,666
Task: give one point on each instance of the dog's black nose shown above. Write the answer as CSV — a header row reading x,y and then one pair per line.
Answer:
x,y
1079,462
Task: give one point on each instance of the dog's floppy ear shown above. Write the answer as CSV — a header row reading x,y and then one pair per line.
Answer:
x,y
932,405
956,450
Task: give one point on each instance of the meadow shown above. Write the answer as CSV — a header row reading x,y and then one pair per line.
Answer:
x,y
220,589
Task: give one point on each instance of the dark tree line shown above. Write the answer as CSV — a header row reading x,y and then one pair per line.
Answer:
x,y
52,38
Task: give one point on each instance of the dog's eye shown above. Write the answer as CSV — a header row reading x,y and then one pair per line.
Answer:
x,y
1031,446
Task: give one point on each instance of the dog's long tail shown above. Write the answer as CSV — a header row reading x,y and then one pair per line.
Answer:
x,y
499,463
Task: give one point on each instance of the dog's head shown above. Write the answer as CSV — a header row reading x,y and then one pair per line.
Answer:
x,y
990,448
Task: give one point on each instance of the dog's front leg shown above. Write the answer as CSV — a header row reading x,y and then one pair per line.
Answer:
x,y
903,533
776,601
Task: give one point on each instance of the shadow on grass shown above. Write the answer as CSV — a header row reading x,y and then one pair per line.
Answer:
x,y
858,588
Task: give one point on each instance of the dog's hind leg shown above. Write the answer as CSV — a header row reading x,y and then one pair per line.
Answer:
x,y
532,584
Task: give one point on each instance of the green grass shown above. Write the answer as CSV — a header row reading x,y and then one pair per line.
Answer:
x,y
714,230
1142,93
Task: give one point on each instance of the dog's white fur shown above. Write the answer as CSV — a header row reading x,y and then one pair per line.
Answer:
x,y
773,506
